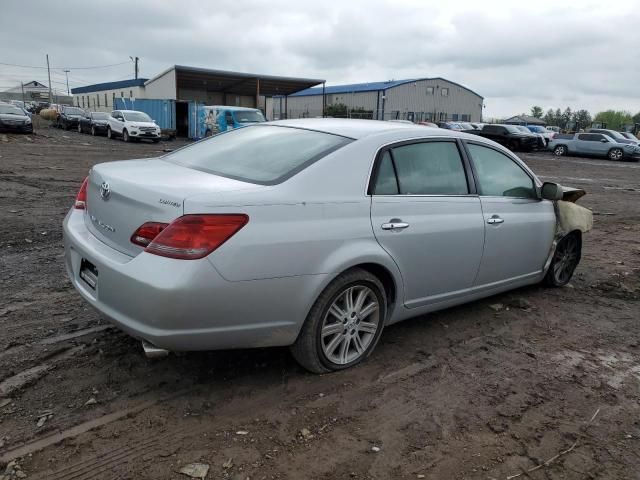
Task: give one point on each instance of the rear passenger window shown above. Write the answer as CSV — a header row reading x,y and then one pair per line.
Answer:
x,y
386,183
429,168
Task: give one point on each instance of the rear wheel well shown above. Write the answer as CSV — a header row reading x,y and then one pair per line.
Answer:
x,y
385,277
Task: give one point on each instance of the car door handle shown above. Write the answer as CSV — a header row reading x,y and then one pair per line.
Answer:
x,y
394,226
494,220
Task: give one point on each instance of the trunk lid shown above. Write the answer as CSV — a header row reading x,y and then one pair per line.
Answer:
x,y
121,196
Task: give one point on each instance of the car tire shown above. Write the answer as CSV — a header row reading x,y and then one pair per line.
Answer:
x,y
109,133
615,154
93,130
125,136
560,151
337,333
512,145
565,260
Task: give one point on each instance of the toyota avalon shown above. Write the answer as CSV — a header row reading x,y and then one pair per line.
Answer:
x,y
311,233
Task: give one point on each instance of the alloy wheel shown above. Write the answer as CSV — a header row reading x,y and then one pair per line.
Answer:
x,y
350,324
615,154
566,259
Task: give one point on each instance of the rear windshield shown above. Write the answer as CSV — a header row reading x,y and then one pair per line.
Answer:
x,y
263,154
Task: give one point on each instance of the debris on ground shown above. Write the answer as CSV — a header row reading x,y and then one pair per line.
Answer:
x,y
228,464
91,401
195,470
375,449
496,307
306,434
520,302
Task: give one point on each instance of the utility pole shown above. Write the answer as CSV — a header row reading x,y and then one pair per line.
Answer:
x,y
49,73
22,85
66,72
135,65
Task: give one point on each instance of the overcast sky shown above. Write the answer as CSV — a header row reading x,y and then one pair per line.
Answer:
x,y
516,54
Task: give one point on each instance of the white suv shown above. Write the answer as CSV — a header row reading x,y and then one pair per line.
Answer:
x,y
130,125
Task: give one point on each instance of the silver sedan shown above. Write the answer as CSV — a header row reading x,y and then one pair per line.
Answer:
x,y
313,233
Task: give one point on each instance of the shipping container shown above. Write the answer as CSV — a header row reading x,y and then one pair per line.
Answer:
x,y
163,112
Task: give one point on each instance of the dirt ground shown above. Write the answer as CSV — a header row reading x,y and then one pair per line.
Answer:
x,y
549,377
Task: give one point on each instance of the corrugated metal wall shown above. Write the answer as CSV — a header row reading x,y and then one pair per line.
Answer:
x,y
407,101
415,98
162,111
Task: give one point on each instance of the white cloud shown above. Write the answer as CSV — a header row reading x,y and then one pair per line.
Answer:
x,y
516,54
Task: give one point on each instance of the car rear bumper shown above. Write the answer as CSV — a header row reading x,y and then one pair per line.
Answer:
x,y
185,304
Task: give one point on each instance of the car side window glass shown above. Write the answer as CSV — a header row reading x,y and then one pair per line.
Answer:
x,y
498,175
430,168
386,183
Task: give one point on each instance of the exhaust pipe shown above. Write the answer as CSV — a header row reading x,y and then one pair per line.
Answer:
x,y
151,351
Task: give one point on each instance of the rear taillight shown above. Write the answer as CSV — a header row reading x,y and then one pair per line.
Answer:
x,y
81,198
144,235
194,236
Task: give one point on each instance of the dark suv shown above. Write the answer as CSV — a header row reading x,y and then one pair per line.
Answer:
x,y
69,117
509,136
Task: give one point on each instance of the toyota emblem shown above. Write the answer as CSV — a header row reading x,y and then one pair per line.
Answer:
x,y
105,191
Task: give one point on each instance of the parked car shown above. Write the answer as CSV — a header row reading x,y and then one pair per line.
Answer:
x,y
538,130
450,126
132,125
246,239
220,118
428,124
593,144
68,117
14,119
541,141
509,136
94,123
552,128
617,136
629,136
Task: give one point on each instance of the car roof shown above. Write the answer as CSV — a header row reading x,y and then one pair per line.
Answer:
x,y
355,128
229,107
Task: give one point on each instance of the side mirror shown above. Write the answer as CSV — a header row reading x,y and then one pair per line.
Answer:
x,y
551,191
604,140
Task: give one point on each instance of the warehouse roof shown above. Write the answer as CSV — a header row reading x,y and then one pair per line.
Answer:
x,y
525,120
368,87
236,82
98,87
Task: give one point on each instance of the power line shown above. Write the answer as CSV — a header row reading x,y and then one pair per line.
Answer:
x,y
65,68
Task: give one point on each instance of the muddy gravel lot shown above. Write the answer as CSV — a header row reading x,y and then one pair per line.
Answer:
x,y
536,383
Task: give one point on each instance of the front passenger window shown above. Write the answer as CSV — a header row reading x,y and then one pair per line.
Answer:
x,y
498,175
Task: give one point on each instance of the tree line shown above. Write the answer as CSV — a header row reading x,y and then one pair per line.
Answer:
x,y
614,119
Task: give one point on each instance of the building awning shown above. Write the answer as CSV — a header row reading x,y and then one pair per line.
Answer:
x,y
239,83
